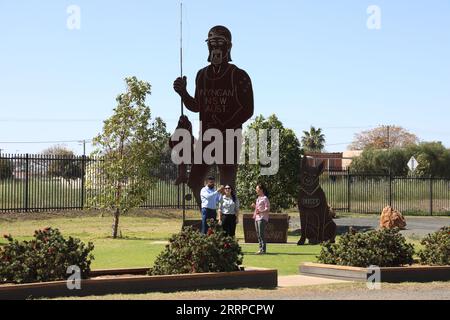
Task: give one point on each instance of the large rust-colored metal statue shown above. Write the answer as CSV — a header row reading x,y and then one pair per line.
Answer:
x,y
316,222
224,100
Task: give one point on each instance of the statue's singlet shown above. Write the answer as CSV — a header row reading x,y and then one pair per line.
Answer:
x,y
217,98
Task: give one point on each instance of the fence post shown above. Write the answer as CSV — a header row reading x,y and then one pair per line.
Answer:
x,y
83,179
178,196
26,181
390,188
349,193
431,195
184,203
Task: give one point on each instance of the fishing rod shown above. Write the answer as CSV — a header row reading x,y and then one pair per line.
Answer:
x,y
181,50
181,100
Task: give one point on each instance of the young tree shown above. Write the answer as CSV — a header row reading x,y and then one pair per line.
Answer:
x,y
130,146
384,137
313,140
283,186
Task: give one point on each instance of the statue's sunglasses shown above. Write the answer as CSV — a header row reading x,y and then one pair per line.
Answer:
x,y
217,42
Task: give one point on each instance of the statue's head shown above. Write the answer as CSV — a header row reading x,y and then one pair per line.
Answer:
x,y
309,175
219,45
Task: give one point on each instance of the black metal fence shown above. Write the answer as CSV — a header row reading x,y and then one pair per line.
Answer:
x,y
43,182
370,193
46,182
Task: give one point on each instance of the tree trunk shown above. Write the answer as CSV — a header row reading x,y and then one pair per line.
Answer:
x,y
117,212
116,223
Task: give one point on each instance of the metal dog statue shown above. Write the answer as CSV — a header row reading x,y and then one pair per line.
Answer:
x,y
316,222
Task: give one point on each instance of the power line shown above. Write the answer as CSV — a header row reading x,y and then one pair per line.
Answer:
x,y
48,120
59,141
337,144
359,127
295,126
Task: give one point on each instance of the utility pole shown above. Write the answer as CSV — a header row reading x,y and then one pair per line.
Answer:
x,y
388,137
386,141
388,129
84,146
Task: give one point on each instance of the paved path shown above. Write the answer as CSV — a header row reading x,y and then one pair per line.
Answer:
x,y
302,281
416,226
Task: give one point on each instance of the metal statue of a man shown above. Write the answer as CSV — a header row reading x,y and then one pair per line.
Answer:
x,y
224,100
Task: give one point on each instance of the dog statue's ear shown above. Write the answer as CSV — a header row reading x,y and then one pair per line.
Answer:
x,y
303,162
321,167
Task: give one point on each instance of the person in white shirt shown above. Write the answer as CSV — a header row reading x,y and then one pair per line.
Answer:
x,y
210,197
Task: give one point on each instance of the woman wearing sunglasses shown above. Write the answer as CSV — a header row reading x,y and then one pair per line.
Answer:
x,y
229,211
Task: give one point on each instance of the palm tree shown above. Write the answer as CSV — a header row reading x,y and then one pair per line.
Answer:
x,y
313,140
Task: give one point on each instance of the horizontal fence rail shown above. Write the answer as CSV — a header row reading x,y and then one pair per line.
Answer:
x,y
45,182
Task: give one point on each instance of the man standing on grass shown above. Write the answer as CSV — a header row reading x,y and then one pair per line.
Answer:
x,y
210,197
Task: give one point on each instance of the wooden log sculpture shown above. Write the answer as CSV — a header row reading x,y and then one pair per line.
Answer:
x,y
316,221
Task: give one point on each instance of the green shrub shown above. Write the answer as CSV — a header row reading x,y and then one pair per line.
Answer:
x,y
192,252
383,248
436,249
45,258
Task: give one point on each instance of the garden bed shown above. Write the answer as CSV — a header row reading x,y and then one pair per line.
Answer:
x,y
135,281
414,273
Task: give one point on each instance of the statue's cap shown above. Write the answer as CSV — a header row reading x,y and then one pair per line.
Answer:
x,y
219,32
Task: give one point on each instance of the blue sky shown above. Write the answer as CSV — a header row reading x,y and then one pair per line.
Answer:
x,y
311,63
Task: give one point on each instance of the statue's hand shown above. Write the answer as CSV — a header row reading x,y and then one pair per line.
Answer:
x,y
179,85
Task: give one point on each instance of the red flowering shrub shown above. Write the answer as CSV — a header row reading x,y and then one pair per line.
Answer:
x,y
192,252
45,258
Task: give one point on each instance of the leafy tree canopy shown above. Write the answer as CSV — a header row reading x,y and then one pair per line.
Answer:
x,y
383,137
283,186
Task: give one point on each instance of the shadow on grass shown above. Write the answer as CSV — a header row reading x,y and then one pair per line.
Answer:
x,y
340,230
136,238
280,254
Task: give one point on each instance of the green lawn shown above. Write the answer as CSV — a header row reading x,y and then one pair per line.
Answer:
x,y
144,235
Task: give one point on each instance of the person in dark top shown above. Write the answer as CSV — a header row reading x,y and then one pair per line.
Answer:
x,y
224,100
